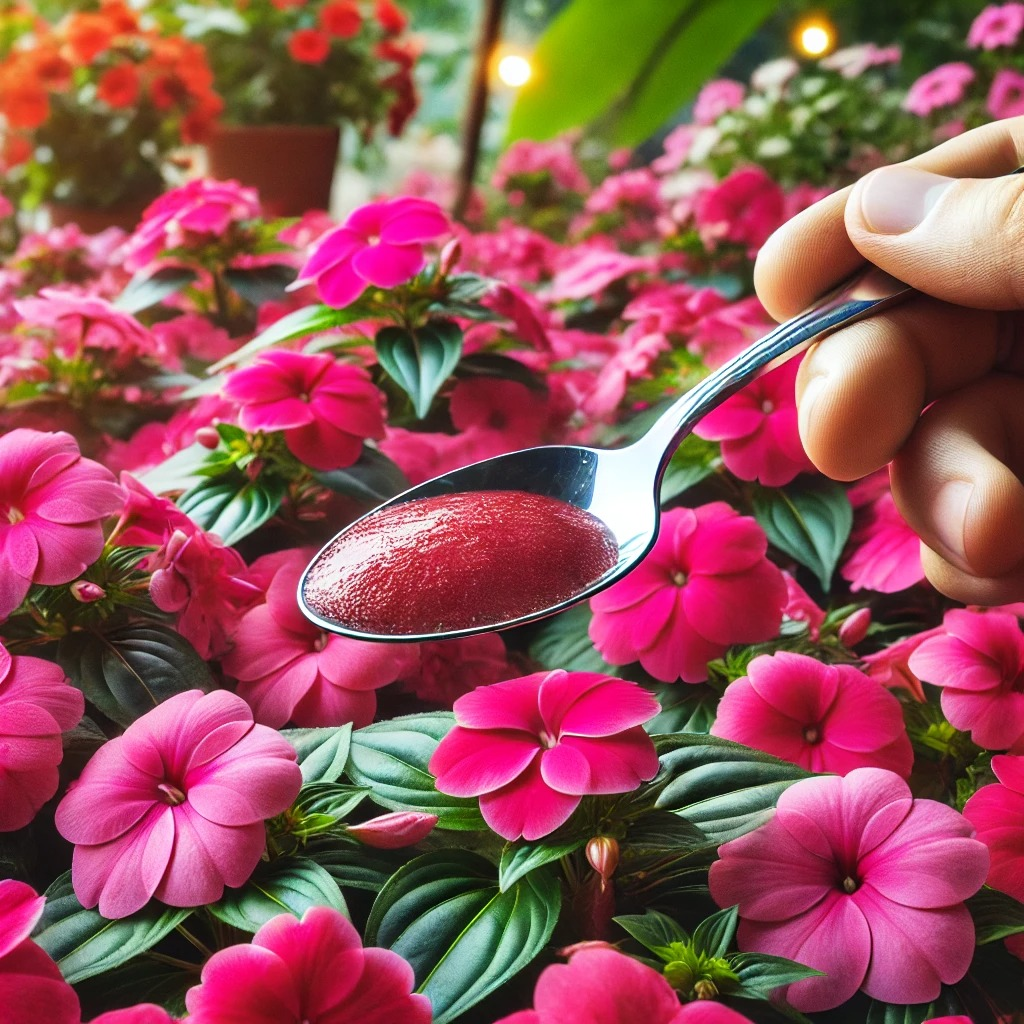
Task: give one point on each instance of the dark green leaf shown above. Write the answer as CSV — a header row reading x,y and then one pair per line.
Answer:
x,y
260,284
420,361
563,642
693,461
372,479
724,788
714,935
145,289
463,936
144,980
232,505
322,752
657,833
179,472
131,670
519,859
352,865
760,974
491,364
331,798
289,885
470,287
996,914
889,1013
684,709
390,759
653,930
84,943
809,521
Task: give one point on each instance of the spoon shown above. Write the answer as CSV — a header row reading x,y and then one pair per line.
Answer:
x,y
620,487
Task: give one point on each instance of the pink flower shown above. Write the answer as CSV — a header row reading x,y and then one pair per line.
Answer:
x,y
531,748
449,668
856,878
508,412
195,213
290,670
603,986
978,660
52,504
174,807
941,87
715,99
325,408
891,667
825,718
744,208
590,269
758,429
37,704
1006,97
949,1020
528,158
380,244
853,61
998,25
143,1013
314,970
800,607
705,585
394,831
997,812
32,989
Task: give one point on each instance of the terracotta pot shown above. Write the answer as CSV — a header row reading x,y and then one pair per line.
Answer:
x,y
93,219
291,165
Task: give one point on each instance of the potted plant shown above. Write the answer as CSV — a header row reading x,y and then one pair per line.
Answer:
x,y
292,73
90,109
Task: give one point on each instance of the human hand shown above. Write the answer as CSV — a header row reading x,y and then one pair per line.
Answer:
x,y
934,386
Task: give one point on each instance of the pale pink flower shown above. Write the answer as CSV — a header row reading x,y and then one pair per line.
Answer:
x,y
997,812
191,336
314,970
290,670
1006,97
856,878
890,666
978,660
52,506
380,244
6,207
997,25
705,585
449,668
774,75
853,61
37,704
758,429
531,748
744,208
587,270
636,191
326,408
825,718
394,831
715,99
941,87
801,607
201,581
174,807
193,214
553,157
603,986
677,146
32,989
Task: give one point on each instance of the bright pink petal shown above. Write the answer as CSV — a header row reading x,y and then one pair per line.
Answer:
x,y
32,990
608,764
387,265
340,285
20,908
470,762
511,704
527,807
744,607
410,219
587,704
244,984
333,248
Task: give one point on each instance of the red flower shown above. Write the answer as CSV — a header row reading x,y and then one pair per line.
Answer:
x,y
390,17
309,46
341,18
119,86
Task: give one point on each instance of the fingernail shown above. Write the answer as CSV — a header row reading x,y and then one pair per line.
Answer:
x,y
950,516
896,199
805,408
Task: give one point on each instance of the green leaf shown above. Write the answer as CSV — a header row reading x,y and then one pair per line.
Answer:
x,y
491,364
463,936
996,914
260,284
372,479
693,461
352,865
714,935
390,759
563,642
810,522
723,788
289,885
181,471
420,361
683,709
656,833
322,752
131,670
914,1013
653,930
760,973
333,799
145,289
232,505
519,859
84,943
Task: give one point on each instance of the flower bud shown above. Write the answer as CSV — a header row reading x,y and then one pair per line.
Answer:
x,y
679,975
603,856
450,256
208,437
395,830
855,627
705,989
86,591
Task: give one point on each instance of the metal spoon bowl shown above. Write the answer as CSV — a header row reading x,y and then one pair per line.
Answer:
x,y
621,486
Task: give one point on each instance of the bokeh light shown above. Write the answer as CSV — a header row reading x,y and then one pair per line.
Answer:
x,y
514,70
815,38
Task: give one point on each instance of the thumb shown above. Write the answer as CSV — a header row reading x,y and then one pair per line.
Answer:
x,y
959,240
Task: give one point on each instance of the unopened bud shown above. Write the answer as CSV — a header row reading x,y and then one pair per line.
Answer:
x,y
855,628
86,591
395,830
603,856
581,947
705,989
679,975
450,256
208,437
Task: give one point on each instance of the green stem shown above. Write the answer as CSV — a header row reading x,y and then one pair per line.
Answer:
x,y
186,934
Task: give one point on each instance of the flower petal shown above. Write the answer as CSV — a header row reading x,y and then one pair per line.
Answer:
x,y
527,807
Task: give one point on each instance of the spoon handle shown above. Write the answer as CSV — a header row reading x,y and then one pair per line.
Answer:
x,y
865,292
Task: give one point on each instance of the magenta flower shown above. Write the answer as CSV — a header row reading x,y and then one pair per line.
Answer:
x,y
715,99
32,989
705,585
143,1013
37,704
997,25
978,660
52,504
941,87
531,748
997,812
1006,96
290,670
325,408
758,429
603,986
856,878
891,665
801,607
314,970
744,208
825,718
174,808
379,244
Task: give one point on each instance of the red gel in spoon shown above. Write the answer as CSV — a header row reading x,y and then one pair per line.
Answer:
x,y
458,561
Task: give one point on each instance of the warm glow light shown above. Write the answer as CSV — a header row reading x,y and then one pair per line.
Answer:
x,y
514,70
815,38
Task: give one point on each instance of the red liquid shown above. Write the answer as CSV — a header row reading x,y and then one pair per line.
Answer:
x,y
458,561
